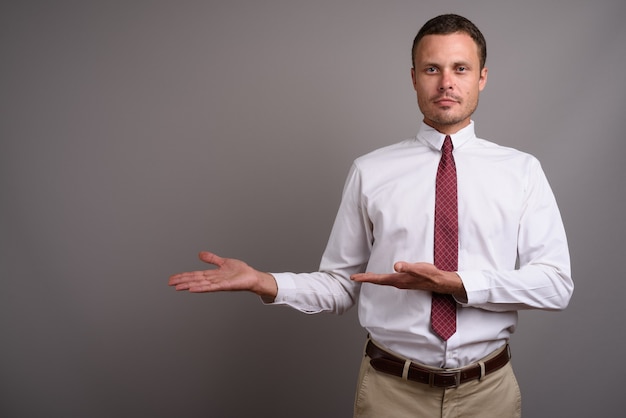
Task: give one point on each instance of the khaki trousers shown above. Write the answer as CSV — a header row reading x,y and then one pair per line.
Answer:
x,y
380,395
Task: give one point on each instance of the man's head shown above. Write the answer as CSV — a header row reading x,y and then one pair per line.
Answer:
x,y
451,23
448,71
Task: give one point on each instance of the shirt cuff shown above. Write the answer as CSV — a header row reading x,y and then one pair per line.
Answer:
x,y
476,287
285,283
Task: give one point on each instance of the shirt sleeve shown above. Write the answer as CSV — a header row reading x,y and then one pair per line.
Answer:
x,y
542,279
347,252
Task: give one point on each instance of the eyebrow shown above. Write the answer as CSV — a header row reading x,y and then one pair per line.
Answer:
x,y
455,64
462,64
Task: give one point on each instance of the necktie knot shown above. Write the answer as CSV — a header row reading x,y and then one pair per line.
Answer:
x,y
447,147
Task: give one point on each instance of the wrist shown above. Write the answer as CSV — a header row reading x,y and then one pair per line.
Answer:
x,y
460,294
266,287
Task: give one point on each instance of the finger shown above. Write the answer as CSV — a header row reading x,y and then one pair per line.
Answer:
x,y
359,277
210,283
207,286
192,281
175,279
209,257
185,277
372,277
182,286
400,267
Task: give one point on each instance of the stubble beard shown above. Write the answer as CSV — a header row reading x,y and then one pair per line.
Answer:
x,y
442,117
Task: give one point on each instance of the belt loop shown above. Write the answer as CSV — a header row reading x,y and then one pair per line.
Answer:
x,y
405,370
482,374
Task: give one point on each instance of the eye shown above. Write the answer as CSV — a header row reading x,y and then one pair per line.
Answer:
x,y
431,70
462,69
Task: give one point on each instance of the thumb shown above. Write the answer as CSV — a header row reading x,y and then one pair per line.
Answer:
x,y
211,258
399,267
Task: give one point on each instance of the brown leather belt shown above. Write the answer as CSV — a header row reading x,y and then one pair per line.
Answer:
x,y
385,362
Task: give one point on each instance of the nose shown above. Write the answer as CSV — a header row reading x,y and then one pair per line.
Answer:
x,y
445,82
445,86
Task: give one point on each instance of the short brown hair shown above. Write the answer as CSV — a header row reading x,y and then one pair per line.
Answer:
x,y
451,23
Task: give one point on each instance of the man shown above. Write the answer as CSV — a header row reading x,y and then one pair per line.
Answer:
x,y
471,253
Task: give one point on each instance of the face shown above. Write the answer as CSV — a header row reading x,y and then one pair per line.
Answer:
x,y
447,79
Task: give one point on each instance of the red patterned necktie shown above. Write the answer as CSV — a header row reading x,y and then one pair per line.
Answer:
x,y
443,309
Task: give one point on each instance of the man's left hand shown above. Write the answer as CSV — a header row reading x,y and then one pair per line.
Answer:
x,y
418,276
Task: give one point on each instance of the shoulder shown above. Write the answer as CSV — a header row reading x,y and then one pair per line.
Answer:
x,y
489,149
389,154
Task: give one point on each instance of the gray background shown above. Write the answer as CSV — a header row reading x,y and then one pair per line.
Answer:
x,y
134,134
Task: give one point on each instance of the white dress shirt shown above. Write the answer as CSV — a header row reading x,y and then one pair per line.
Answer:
x,y
513,251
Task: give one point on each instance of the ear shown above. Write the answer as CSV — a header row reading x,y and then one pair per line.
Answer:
x,y
413,78
482,81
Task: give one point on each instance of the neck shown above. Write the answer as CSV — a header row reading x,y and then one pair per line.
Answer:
x,y
447,129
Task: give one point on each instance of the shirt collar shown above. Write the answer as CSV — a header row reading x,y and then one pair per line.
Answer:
x,y
434,138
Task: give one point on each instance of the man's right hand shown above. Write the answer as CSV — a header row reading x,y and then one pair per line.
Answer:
x,y
230,275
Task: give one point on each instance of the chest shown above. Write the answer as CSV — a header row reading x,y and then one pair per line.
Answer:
x,y
491,197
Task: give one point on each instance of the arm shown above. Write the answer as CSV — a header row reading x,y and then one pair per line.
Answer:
x,y
541,281
347,252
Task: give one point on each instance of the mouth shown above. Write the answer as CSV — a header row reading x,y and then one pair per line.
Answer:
x,y
446,101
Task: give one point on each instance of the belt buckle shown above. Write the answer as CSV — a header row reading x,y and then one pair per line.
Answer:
x,y
456,373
